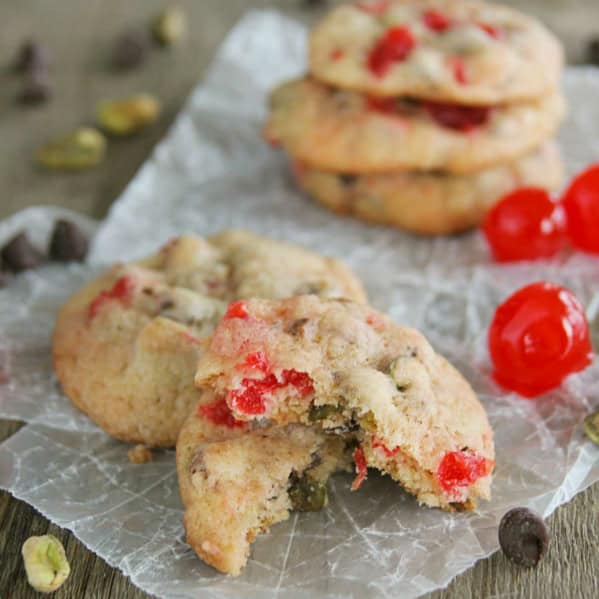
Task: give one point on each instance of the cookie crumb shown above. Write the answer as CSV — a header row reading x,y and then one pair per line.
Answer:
x,y
140,454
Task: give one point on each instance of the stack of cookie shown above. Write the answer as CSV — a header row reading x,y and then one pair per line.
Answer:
x,y
267,396
420,114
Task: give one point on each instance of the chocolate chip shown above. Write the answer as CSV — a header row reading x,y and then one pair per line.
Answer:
x,y
68,243
19,254
523,536
130,50
32,56
592,52
36,90
348,180
591,427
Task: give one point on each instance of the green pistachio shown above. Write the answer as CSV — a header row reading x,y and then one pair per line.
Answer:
x,y
591,427
83,148
170,26
46,564
129,115
307,494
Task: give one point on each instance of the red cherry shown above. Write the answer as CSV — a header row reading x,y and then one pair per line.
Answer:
x,y
437,21
236,309
384,105
460,118
378,444
524,225
458,67
394,46
253,394
461,469
581,203
361,468
121,291
490,30
538,336
219,413
378,7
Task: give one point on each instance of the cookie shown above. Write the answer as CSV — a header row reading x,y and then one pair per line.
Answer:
x,y
429,203
126,346
345,131
235,489
345,368
460,51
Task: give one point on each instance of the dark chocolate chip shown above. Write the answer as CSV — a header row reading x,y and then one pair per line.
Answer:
x,y
32,56
523,536
130,49
348,180
36,90
68,243
19,254
592,52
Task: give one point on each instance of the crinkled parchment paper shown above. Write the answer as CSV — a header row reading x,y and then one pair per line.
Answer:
x,y
213,171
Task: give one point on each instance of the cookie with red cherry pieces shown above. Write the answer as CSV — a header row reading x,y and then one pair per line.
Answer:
x,y
460,51
126,346
235,489
344,131
345,368
432,203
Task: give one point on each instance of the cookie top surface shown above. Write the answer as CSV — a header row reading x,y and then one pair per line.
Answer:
x,y
454,203
345,367
446,50
234,489
345,131
125,346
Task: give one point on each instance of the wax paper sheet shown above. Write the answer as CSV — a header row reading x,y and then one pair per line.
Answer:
x,y
212,171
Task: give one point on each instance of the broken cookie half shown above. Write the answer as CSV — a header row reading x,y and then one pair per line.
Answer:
x,y
345,368
236,488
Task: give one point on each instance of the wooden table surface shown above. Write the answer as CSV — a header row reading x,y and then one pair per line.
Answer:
x,y
80,35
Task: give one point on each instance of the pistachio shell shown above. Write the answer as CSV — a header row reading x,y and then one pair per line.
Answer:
x,y
591,427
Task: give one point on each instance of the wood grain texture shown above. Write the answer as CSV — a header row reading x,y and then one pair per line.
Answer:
x,y
80,35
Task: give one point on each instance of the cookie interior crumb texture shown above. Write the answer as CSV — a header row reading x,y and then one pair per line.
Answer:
x,y
349,369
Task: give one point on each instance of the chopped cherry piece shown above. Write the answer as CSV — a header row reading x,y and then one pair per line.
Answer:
x,y
581,204
377,7
524,225
384,105
490,29
336,54
190,338
256,361
460,469
394,46
361,468
460,118
121,291
378,444
218,412
236,309
538,337
251,397
437,21
458,68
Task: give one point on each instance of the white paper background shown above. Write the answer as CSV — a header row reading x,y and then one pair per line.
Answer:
x,y
213,171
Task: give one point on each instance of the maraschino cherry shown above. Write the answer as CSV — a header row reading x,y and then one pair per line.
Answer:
x,y
537,338
524,225
581,204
